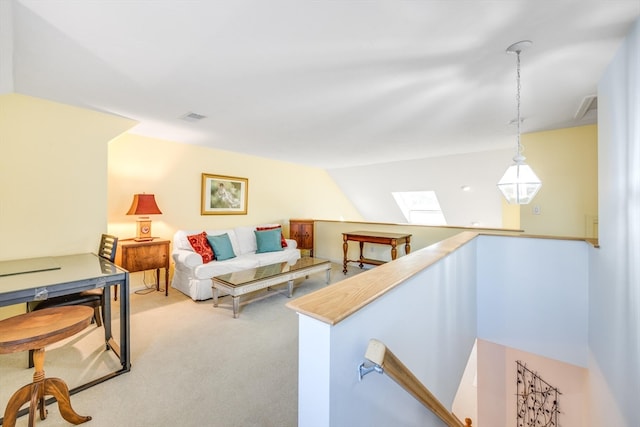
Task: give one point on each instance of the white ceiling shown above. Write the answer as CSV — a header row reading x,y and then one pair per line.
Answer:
x,y
323,83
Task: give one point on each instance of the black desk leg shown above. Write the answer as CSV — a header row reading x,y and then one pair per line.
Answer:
x,y
125,330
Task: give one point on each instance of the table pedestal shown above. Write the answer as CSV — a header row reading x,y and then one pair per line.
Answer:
x,y
35,393
34,331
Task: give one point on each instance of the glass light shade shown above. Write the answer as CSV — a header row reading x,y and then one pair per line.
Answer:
x,y
519,184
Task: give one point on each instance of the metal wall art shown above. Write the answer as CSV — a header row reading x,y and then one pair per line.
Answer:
x,y
537,401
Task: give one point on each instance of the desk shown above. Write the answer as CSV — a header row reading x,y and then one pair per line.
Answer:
x,y
76,273
391,239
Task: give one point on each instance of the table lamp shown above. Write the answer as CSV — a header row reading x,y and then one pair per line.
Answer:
x,y
143,204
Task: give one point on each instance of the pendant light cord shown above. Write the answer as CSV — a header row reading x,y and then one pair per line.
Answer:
x,y
518,86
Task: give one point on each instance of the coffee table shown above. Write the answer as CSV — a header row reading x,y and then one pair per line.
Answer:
x,y
245,281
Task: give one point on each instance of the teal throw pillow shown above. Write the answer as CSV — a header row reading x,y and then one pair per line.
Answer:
x,y
221,246
268,240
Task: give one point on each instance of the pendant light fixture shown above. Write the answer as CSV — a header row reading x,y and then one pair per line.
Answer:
x,y
519,184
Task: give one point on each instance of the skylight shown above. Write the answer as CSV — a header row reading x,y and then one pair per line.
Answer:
x,y
420,207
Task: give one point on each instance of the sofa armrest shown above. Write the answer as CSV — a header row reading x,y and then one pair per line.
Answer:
x,y
187,258
291,244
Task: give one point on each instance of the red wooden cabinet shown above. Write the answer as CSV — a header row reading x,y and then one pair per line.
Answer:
x,y
301,230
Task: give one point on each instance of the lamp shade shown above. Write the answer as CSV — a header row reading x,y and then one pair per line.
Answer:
x,y
519,184
144,204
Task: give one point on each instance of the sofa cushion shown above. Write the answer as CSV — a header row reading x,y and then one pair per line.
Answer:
x,y
283,242
286,255
222,248
200,244
216,268
268,241
246,240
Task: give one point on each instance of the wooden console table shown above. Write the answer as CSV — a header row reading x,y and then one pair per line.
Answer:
x,y
391,239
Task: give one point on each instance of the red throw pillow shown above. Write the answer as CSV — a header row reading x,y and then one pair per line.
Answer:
x,y
283,242
200,244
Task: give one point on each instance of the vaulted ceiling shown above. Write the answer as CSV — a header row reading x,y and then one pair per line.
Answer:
x,y
323,83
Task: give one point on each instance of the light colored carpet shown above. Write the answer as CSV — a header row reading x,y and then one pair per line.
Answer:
x,y
192,364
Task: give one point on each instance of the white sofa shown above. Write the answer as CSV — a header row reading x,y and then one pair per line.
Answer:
x,y
192,277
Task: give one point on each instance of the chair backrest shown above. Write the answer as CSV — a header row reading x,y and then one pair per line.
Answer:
x,y
107,247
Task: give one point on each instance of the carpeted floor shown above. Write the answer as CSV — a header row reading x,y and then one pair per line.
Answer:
x,y
193,364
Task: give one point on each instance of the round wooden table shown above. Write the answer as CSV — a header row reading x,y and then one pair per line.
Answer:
x,y
34,331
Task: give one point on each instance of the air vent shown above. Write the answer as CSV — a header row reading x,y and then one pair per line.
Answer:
x,y
589,103
193,117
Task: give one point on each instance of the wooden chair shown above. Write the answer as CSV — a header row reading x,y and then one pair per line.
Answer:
x,y
106,250
93,298
33,331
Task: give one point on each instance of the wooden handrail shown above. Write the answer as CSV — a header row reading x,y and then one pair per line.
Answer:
x,y
337,302
380,355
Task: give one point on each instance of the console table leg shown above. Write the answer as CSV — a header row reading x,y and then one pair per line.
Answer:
x,y
345,247
394,251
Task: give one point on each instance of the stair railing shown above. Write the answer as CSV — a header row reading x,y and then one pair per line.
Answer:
x,y
384,361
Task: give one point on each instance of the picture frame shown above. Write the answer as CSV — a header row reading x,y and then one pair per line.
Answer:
x,y
224,195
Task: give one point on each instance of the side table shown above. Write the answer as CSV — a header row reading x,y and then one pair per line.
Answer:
x,y
145,255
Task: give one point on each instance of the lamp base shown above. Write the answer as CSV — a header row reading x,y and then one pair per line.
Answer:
x,y
143,230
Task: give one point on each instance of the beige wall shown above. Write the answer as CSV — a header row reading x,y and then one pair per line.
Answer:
x,y
59,162
54,156
328,238
172,171
510,215
53,176
63,182
566,160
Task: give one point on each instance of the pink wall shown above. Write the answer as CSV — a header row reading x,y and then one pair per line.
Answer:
x,y
497,385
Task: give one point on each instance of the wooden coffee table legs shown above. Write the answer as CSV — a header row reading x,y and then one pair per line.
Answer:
x,y
35,394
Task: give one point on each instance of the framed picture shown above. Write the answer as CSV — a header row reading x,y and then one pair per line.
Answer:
x,y
224,195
